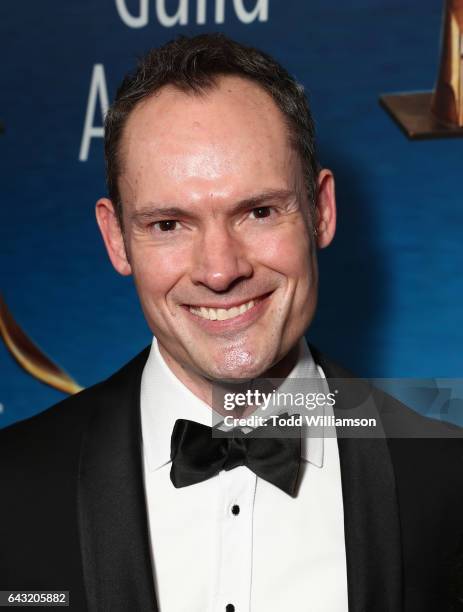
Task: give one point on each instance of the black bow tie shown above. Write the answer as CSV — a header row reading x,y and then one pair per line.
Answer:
x,y
197,456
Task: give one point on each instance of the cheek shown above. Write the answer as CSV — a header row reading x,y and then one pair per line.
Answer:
x,y
156,272
285,250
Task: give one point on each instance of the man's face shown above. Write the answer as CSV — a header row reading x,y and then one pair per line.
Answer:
x,y
217,229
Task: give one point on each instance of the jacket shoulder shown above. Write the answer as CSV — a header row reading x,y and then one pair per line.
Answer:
x,y
398,419
40,471
62,424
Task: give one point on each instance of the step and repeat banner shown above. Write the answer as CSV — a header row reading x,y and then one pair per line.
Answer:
x,y
391,283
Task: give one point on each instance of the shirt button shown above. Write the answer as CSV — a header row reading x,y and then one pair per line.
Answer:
x,y
235,510
229,608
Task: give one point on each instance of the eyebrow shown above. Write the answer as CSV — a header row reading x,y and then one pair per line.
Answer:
x,y
151,210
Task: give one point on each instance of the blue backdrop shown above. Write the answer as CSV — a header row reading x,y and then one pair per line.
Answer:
x,y
391,284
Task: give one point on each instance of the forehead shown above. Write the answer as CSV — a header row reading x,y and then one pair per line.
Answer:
x,y
233,133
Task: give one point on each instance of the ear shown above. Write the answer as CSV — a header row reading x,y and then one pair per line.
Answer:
x,y
326,209
112,235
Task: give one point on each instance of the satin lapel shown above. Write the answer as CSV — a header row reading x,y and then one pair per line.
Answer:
x,y
112,514
371,515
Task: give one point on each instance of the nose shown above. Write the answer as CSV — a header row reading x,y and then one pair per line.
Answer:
x,y
220,260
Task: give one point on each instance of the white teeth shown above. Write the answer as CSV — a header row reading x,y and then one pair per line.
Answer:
x,y
221,314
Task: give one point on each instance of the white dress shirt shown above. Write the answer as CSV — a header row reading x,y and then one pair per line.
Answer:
x,y
236,543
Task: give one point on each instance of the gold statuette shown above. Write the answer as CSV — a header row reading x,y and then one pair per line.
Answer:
x,y
447,101
438,113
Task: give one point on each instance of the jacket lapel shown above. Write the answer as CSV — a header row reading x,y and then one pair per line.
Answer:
x,y
371,515
111,502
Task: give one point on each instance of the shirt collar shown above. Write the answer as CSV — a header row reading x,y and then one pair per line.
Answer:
x,y
164,399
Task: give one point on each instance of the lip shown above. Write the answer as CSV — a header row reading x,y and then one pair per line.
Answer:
x,y
242,320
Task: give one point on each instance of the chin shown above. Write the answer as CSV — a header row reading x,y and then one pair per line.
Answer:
x,y
236,368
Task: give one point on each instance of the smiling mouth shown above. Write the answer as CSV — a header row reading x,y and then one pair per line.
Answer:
x,y
223,314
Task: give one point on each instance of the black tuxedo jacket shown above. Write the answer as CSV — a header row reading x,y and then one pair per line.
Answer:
x,y
72,507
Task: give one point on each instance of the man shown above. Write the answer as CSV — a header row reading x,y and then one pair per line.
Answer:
x,y
216,207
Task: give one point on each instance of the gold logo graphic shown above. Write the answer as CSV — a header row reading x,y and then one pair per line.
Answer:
x,y
31,357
